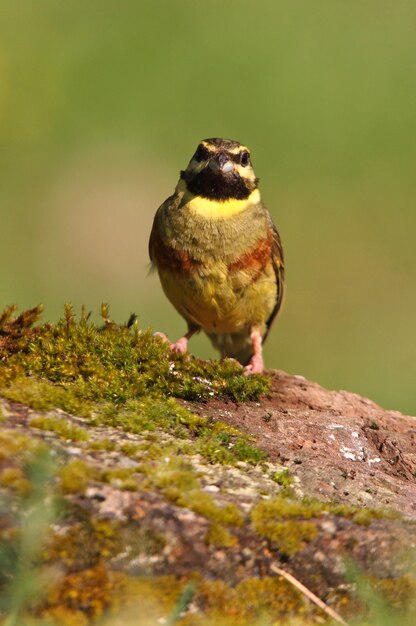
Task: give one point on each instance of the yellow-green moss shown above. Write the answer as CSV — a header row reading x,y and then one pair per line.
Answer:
x,y
176,472
82,596
15,479
283,478
122,477
220,537
60,426
103,444
43,395
179,484
289,536
130,449
85,544
115,363
281,519
15,445
75,475
204,504
253,601
123,377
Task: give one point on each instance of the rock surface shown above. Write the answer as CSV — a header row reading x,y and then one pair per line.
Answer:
x,y
340,445
336,446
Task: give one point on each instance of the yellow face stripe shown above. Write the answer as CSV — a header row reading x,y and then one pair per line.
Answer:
x,y
215,209
236,150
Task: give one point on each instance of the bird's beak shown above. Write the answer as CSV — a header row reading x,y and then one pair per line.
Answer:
x,y
222,163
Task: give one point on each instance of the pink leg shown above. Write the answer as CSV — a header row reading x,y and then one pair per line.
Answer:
x,y
181,345
256,364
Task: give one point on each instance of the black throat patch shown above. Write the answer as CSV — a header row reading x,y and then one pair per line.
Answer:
x,y
218,186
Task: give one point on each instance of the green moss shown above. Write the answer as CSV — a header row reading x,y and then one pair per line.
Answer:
x,y
177,473
179,484
217,442
203,504
254,601
62,427
130,449
74,476
15,479
103,444
82,596
282,519
283,478
122,477
289,536
220,443
43,395
307,508
362,517
123,377
87,586
113,363
17,447
85,543
220,537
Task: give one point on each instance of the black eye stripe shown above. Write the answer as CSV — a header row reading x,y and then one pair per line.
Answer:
x,y
202,153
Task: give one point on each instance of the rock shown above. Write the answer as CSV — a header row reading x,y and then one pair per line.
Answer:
x,y
341,446
156,510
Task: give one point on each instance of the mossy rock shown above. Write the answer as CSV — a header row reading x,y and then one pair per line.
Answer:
x,y
146,510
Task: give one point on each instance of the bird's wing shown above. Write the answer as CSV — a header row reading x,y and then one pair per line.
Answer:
x,y
155,234
279,270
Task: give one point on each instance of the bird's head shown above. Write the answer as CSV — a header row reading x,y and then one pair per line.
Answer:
x,y
220,169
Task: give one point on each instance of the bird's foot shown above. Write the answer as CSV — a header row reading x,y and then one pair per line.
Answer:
x,y
256,364
180,346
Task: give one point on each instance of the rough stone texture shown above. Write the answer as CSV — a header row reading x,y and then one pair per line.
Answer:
x,y
340,445
337,446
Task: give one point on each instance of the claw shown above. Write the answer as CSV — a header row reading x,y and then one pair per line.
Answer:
x,y
164,338
180,346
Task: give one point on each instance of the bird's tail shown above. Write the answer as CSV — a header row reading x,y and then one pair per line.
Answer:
x,y
234,345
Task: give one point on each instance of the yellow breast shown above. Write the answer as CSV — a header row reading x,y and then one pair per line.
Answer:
x,y
215,209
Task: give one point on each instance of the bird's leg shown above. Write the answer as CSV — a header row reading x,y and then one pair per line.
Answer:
x,y
181,345
256,364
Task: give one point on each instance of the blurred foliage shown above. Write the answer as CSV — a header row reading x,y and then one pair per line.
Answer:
x,y
101,104
23,576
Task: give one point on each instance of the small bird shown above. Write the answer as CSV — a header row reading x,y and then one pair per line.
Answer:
x,y
219,255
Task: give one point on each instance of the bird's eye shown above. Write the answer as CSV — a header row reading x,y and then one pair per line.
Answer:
x,y
244,158
201,153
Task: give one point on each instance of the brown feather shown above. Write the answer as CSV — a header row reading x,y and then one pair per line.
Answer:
x,y
255,259
279,270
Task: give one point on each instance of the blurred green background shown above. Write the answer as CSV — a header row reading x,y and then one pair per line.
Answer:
x,y
103,102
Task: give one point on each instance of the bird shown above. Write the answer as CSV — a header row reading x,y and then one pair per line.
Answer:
x,y
219,255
